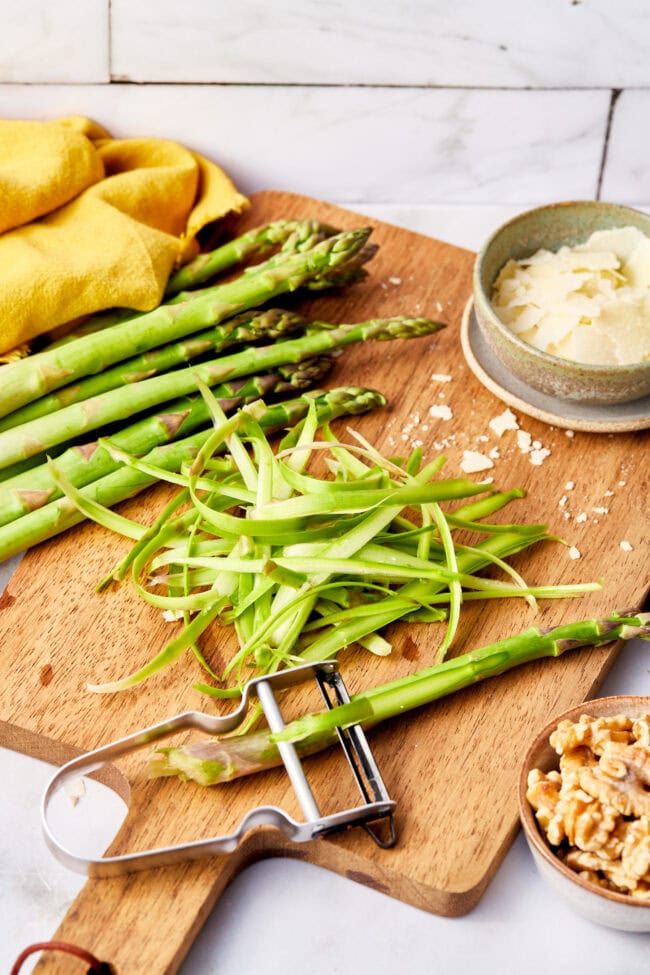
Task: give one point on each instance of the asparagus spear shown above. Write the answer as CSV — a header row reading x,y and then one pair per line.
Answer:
x,y
209,762
87,462
125,482
78,418
247,327
37,375
294,233
349,273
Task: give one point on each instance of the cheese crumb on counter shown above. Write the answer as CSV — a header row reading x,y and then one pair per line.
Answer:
x,y
441,411
625,546
574,553
473,462
505,421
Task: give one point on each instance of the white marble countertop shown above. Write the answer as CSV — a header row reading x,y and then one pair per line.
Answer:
x,y
282,916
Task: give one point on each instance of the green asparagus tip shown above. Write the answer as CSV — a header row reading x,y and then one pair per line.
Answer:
x,y
408,328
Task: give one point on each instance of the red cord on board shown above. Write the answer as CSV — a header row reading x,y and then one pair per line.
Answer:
x,y
96,967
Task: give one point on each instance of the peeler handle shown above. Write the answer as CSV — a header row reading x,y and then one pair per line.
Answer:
x,y
298,832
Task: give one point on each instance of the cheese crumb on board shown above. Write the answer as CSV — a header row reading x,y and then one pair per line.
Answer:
x,y
524,441
440,377
539,455
473,462
441,411
569,486
563,500
588,303
505,421
569,433
574,553
600,511
581,517
171,615
625,546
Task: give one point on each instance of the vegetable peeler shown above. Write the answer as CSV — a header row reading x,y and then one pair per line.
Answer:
x,y
376,808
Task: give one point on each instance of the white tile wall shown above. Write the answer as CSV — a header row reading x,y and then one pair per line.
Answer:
x,y
398,145
61,41
554,43
418,103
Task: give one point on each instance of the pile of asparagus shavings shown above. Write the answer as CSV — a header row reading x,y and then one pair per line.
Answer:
x,y
301,565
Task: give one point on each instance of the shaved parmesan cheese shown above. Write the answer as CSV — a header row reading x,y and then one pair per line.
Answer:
x,y
589,303
473,462
626,546
574,553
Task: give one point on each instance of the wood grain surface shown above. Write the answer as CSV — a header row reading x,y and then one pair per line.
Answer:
x,y
451,767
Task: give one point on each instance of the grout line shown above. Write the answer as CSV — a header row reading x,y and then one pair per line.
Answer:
x,y
109,39
117,80
616,94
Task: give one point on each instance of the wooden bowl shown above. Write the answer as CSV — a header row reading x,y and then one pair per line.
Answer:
x,y
551,227
595,903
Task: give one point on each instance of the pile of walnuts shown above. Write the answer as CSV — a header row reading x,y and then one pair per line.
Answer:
x,y
596,809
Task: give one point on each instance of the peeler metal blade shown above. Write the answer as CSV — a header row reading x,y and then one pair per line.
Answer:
x,y
376,808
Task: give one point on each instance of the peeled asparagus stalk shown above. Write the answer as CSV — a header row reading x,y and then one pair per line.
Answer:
x,y
210,762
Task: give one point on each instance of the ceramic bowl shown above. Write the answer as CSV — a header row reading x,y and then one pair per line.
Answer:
x,y
595,903
551,227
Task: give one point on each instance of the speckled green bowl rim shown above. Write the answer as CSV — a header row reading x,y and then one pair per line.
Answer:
x,y
527,817
482,297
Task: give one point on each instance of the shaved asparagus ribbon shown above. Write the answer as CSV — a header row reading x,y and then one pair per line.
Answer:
x,y
304,565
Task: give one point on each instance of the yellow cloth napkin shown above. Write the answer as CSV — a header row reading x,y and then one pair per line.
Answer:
x,y
88,222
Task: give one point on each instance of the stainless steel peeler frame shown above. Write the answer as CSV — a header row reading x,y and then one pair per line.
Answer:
x,y
377,805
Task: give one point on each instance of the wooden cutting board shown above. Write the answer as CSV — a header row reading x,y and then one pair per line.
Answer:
x,y
452,766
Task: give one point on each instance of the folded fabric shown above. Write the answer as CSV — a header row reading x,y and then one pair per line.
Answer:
x,y
88,222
